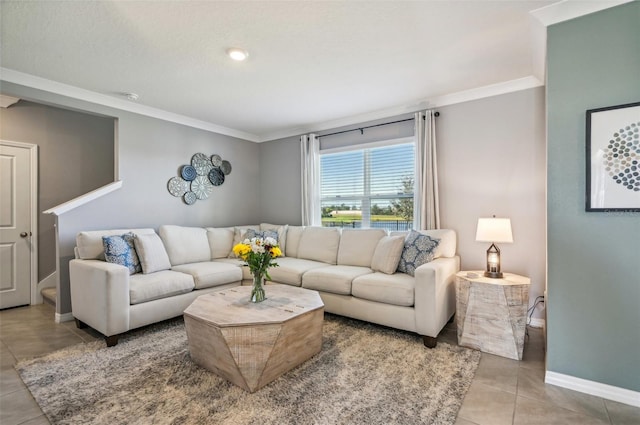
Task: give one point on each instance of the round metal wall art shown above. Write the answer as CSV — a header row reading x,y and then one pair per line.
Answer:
x,y
188,172
201,163
216,176
216,160
202,187
197,180
190,198
226,167
177,186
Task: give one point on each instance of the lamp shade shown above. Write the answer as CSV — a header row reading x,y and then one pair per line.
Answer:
x,y
494,230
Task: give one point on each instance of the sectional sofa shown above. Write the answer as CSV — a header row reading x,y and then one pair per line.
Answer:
x,y
354,271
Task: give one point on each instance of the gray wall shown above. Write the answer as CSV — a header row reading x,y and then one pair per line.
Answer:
x,y
280,162
593,284
491,161
491,157
68,142
150,151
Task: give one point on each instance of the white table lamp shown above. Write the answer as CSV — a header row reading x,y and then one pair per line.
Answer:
x,y
494,230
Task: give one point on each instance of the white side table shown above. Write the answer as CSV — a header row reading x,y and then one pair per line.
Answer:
x,y
491,314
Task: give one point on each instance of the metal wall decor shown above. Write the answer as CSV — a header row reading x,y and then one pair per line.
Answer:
x,y
196,180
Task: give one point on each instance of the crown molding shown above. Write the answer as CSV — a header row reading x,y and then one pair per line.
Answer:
x,y
570,9
435,102
6,101
73,92
21,78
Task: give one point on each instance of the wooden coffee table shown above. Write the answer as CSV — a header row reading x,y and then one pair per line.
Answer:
x,y
252,344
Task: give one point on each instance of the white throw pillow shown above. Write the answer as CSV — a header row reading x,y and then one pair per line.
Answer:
x,y
220,241
387,254
153,256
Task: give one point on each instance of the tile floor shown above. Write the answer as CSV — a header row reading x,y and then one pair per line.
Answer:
x,y
503,391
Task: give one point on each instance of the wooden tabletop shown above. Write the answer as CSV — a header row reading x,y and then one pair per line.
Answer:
x,y
507,279
231,307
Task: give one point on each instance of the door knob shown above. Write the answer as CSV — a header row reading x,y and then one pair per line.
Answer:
x,y
24,234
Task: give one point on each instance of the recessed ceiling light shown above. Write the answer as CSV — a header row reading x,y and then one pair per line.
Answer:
x,y
237,54
131,96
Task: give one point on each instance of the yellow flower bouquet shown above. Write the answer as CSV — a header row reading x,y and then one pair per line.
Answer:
x,y
258,254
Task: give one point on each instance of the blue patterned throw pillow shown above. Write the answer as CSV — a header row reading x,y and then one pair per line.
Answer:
x,y
121,250
251,233
418,250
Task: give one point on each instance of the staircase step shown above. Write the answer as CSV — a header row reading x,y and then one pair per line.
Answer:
x,y
49,295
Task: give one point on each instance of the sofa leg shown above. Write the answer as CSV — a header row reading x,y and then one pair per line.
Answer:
x,y
80,324
429,341
111,340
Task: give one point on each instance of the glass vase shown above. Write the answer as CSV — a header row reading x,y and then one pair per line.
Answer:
x,y
257,291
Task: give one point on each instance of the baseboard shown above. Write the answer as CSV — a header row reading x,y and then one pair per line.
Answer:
x,y
536,323
64,317
608,392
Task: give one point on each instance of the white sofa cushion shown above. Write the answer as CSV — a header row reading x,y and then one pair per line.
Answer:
x,y
220,241
211,273
319,244
447,246
185,244
358,245
294,233
90,245
387,254
163,284
153,256
396,289
335,279
290,270
282,234
246,273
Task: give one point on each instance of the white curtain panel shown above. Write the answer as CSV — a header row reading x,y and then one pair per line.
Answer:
x,y
310,157
426,203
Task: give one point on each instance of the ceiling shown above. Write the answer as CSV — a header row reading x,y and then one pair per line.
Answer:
x,y
312,64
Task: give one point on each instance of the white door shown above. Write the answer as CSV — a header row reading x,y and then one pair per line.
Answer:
x,y
15,226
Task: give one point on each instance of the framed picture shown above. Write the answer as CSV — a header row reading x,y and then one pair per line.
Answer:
x,y
613,158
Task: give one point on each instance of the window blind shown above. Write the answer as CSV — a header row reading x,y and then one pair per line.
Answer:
x,y
366,186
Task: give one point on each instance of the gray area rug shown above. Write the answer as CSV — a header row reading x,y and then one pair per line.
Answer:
x,y
365,374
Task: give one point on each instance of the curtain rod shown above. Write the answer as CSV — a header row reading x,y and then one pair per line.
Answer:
x,y
361,129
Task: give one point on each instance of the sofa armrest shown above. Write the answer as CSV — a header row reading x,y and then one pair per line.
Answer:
x,y
435,294
100,295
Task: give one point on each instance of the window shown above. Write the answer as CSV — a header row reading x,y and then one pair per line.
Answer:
x,y
368,186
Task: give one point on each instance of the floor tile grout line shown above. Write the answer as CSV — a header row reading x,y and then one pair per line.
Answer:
x,y
606,409
563,407
515,404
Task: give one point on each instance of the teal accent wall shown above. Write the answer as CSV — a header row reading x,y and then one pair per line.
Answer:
x,y
593,284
